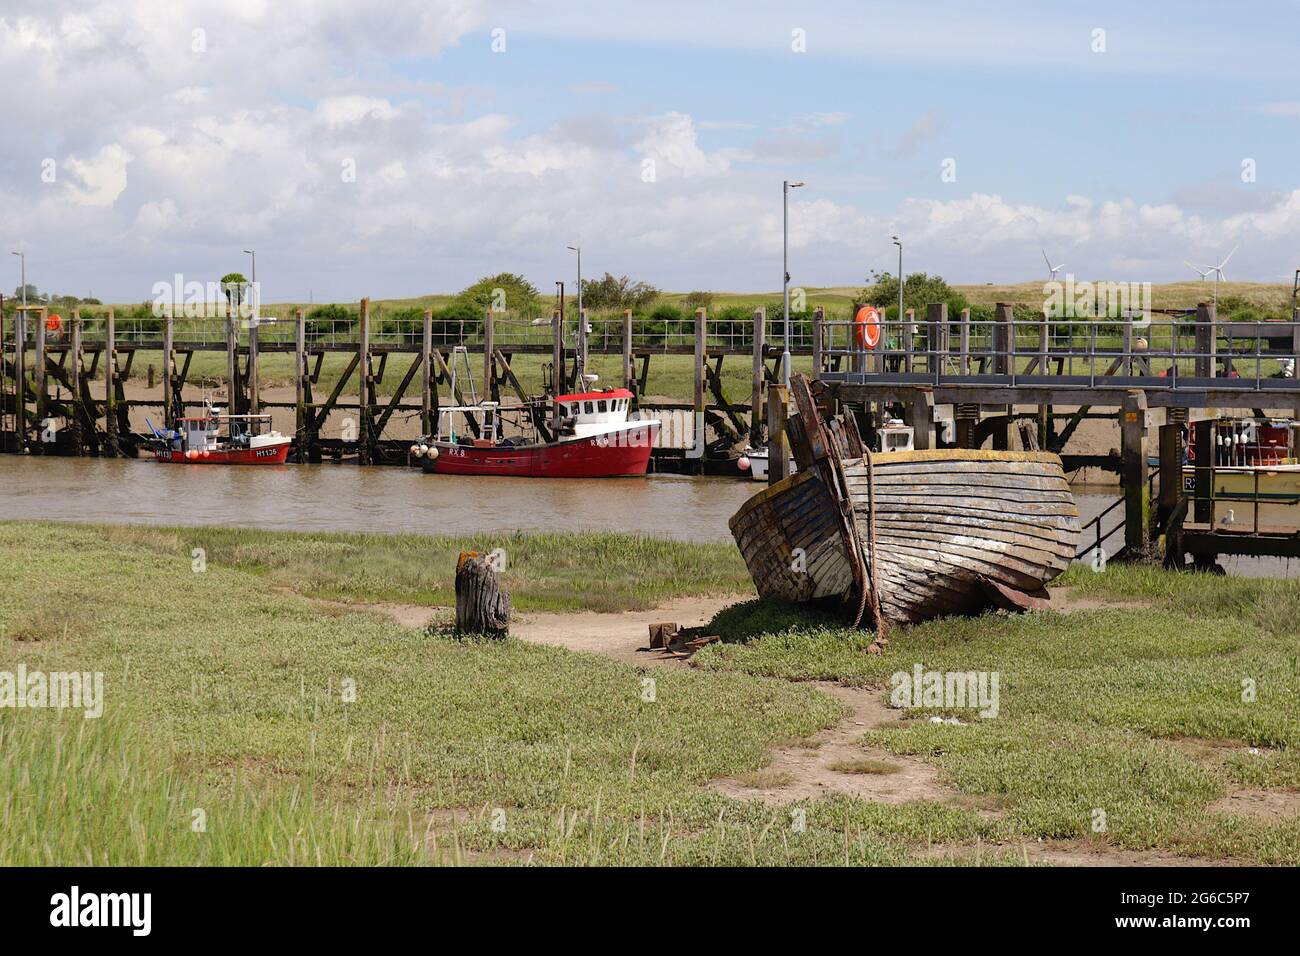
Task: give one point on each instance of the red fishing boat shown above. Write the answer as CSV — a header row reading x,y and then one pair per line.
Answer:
x,y
589,436
217,439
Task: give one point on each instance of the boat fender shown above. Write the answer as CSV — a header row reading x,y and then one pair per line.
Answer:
x,y
743,463
416,451
432,453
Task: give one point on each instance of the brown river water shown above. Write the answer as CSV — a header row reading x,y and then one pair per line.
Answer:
x,y
332,497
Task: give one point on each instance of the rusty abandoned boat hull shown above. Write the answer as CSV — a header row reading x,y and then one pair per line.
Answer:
x,y
957,531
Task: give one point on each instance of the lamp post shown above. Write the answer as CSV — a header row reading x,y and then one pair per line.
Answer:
x,y
786,186
578,250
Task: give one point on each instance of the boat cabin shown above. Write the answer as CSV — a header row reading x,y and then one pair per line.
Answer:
x,y
205,432
893,435
591,413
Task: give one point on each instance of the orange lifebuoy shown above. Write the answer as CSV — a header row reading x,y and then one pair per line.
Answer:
x,y
866,326
53,323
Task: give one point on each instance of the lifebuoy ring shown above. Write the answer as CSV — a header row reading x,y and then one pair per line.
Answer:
x,y
866,327
53,323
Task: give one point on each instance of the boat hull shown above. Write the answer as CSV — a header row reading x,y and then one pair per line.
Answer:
x,y
618,453
266,455
956,532
1281,484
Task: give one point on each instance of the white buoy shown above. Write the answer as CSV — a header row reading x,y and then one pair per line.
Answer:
x,y
416,451
743,463
431,453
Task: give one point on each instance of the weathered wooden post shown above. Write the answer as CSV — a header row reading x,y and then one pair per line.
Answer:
x,y
74,385
482,607
363,384
170,412
963,341
110,386
40,381
558,374
1004,339
908,320
629,371
4,446
819,316
756,390
426,374
1203,482
778,444
701,356
1207,341
1171,467
489,363
254,400
232,359
936,321
1137,495
300,385
920,415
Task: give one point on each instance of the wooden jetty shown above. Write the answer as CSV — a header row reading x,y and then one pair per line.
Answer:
x,y
64,392
911,534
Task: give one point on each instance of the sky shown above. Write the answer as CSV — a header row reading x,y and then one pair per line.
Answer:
x,y
398,148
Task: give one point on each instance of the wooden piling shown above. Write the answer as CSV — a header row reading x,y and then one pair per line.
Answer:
x,y
1171,466
426,374
778,450
1004,339
300,383
963,341
908,319
701,340
936,321
756,391
489,335
232,360
819,316
169,410
1137,495
1207,341
920,415
1203,483
557,352
74,385
363,384
40,380
110,385
629,373
20,380
254,400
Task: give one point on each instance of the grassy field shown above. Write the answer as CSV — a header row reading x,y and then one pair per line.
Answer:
x,y
247,721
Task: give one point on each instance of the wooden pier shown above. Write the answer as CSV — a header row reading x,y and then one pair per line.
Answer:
x,y
988,382
63,386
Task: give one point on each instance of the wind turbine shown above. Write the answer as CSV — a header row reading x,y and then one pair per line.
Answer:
x,y
1198,270
1052,270
1218,274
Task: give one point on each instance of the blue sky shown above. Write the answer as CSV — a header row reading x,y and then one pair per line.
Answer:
x,y
1121,152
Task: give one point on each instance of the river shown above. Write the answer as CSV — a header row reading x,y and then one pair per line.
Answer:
x,y
330,497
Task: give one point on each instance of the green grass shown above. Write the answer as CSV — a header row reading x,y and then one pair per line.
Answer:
x,y
310,733
1095,706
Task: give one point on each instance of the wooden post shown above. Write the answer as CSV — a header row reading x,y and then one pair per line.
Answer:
x,y
254,401
920,414
963,341
1203,440
1171,465
232,361
756,393
110,385
300,385
40,381
1137,495
778,452
1044,356
74,385
557,352
363,384
482,607
3,374
1207,342
170,412
909,317
701,337
1127,363
20,381
489,365
936,321
426,374
1004,339
629,373
819,316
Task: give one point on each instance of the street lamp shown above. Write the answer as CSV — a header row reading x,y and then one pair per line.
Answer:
x,y
786,186
252,283
899,242
22,257
578,250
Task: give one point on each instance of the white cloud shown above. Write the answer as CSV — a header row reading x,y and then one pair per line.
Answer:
x,y
100,180
349,110
670,140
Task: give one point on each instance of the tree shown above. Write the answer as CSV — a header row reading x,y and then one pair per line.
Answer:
x,y
610,292
33,294
698,300
919,291
233,285
501,292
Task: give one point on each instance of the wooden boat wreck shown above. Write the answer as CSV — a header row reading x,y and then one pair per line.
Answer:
x,y
905,536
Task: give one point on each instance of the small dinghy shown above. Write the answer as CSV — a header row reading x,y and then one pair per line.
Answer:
x,y
904,536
